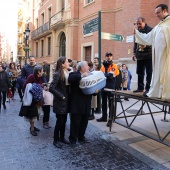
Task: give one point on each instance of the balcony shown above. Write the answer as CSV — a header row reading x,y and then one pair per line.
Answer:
x,y
41,31
19,44
20,31
56,18
60,19
19,53
20,19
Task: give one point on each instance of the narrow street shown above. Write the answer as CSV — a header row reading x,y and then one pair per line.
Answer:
x,y
19,150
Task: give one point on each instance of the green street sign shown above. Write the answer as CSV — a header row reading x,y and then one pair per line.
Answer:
x,y
90,26
109,36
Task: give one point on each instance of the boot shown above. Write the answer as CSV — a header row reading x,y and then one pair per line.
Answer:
x,y
126,98
91,117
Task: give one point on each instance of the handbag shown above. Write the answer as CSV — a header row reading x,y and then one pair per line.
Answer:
x,y
10,95
48,98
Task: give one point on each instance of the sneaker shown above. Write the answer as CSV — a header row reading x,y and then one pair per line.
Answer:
x,y
145,94
137,91
33,133
91,117
102,119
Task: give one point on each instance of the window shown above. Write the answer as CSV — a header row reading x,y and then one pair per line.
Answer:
x,y
62,47
37,22
36,49
63,4
42,48
42,18
87,1
49,45
49,12
88,53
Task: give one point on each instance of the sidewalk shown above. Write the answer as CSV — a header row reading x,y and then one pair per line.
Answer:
x,y
150,148
116,150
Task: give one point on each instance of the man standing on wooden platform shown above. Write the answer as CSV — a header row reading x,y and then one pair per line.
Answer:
x,y
143,55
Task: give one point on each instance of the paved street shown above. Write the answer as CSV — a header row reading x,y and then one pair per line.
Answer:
x,y
19,150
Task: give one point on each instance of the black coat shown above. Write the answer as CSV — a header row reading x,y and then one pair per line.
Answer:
x,y
147,53
79,102
4,81
59,90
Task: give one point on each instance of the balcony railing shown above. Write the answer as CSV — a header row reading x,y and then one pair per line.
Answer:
x,y
20,31
45,27
20,44
20,19
19,53
56,18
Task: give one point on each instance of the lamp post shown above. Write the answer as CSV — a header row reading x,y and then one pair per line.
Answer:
x,y
26,37
11,56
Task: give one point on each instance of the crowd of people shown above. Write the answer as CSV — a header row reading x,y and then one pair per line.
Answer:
x,y
67,96
36,90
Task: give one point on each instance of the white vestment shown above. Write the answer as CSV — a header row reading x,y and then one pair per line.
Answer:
x,y
157,39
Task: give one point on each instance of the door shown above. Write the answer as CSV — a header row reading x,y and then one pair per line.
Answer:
x,y
88,53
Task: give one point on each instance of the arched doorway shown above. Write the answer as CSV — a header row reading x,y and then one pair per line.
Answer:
x,y
62,45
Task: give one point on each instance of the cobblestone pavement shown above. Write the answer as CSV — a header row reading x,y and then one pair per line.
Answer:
x,y
19,150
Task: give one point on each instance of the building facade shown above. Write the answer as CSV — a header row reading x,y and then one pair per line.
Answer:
x,y
68,28
58,27
24,13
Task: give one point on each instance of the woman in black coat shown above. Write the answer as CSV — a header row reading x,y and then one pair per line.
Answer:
x,y
59,89
4,86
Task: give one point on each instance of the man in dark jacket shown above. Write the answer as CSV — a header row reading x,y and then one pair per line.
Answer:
x,y
4,86
28,69
80,105
143,54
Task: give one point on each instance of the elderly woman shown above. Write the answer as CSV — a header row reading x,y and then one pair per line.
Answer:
x,y
31,112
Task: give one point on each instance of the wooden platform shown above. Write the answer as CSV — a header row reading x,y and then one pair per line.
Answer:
x,y
129,114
